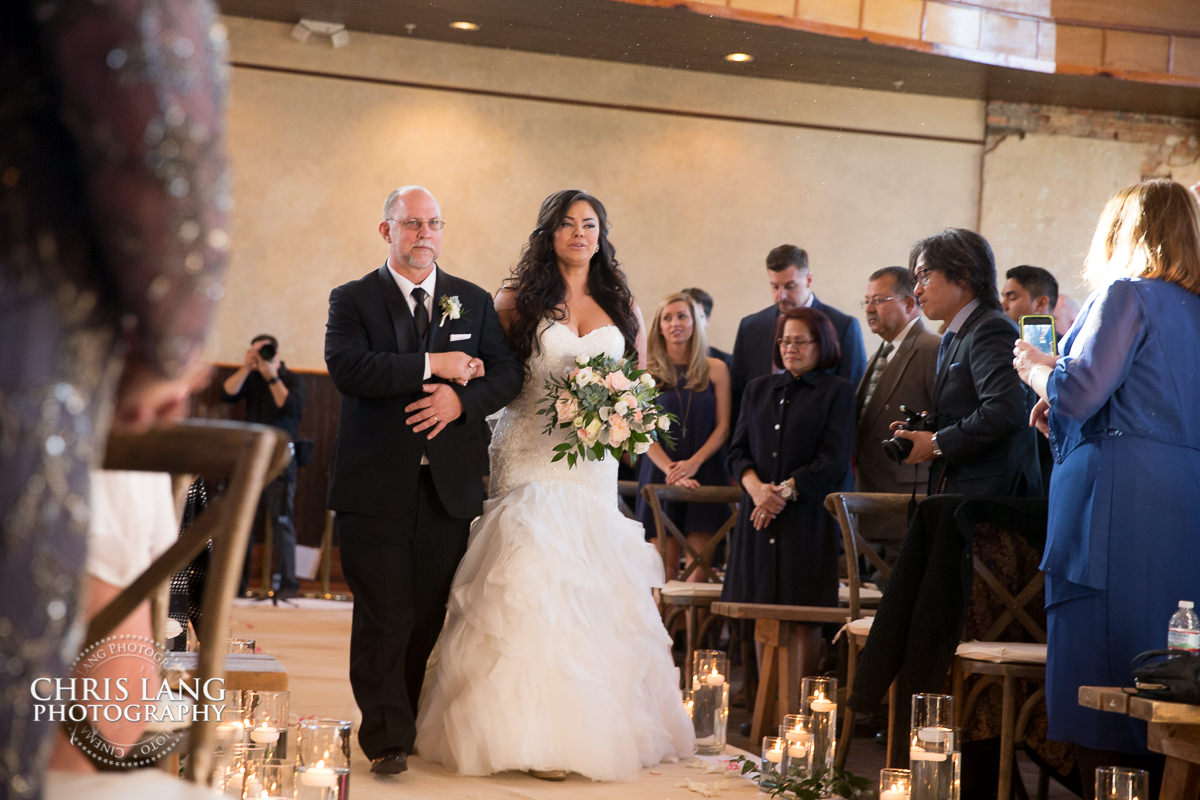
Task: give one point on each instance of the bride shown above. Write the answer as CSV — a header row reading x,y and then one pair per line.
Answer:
x,y
553,658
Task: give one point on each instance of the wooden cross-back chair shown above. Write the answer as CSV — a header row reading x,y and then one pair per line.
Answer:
x,y
859,541
683,597
1010,649
247,456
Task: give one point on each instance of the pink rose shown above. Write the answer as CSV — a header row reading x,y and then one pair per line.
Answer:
x,y
617,381
618,430
566,407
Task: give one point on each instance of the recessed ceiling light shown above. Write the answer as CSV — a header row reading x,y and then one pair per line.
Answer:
x,y
740,58
462,25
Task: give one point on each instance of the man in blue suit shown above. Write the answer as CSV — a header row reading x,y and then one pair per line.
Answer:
x,y
791,281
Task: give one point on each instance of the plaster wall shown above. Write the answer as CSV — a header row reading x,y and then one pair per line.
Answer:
x,y
702,174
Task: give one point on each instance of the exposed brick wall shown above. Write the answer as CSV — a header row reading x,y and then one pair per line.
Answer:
x,y
1171,142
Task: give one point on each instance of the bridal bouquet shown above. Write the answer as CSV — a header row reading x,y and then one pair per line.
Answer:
x,y
607,405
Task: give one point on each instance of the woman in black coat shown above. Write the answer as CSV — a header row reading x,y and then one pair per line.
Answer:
x,y
790,449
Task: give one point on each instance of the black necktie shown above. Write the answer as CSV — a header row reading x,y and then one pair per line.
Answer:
x,y
420,313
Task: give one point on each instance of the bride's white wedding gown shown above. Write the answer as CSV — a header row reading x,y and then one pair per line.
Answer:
x,y
553,655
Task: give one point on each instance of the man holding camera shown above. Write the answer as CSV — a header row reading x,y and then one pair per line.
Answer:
x,y
900,372
977,438
274,396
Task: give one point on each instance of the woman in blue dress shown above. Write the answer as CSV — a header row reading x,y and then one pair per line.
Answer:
x,y
1120,408
696,389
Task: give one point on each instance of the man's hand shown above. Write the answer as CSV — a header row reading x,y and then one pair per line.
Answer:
x,y
439,407
454,365
251,359
922,445
269,369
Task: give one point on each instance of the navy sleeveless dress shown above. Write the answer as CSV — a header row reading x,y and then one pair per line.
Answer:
x,y
696,417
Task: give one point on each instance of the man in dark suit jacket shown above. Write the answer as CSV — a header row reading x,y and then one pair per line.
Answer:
x,y
900,372
790,279
420,360
983,444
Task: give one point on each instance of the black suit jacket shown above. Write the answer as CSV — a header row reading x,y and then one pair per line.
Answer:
x,y
377,364
752,349
981,410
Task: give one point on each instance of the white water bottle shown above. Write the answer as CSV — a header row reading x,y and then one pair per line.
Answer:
x,y
1183,631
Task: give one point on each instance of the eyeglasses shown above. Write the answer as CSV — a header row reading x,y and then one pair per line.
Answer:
x,y
417,224
875,301
784,344
924,274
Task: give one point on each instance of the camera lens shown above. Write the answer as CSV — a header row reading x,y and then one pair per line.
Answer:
x,y
267,352
897,449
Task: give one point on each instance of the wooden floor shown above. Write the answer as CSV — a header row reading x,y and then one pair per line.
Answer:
x,y
312,639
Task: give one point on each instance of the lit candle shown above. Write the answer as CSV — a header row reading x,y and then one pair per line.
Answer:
x,y
714,678
265,734
229,730
895,793
320,775
798,742
775,754
932,734
819,704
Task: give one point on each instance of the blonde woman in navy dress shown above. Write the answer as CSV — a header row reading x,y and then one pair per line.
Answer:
x,y
696,389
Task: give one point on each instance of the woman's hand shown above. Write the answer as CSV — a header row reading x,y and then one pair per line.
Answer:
x,y
681,470
1039,417
1026,357
767,505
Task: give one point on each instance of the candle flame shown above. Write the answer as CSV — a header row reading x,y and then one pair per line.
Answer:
x,y
321,763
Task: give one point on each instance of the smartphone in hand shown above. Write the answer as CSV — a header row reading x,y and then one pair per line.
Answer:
x,y
1038,330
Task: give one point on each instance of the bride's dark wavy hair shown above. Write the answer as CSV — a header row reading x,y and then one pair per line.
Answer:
x,y
538,287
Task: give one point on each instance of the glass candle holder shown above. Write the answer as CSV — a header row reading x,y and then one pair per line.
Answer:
x,y
797,730
774,763
818,699
895,784
710,700
277,780
238,779
935,760
266,715
1122,783
323,759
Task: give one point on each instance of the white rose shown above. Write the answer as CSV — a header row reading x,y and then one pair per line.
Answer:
x,y
584,377
581,360
647,379
640,447
621,407
664,423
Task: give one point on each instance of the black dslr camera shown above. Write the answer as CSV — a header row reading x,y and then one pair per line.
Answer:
x,y
898,449
267,352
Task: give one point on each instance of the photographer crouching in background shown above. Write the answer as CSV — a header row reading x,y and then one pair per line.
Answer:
x,y
274,396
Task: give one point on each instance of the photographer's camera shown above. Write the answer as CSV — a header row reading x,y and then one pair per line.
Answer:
x,y
898,449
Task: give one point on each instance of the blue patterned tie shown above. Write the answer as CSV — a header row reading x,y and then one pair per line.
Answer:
x,y
943,348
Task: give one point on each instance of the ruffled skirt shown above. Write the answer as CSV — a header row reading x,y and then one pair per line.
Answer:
x,y
553,655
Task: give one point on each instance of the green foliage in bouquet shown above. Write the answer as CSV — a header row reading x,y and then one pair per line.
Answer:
x,y
606,405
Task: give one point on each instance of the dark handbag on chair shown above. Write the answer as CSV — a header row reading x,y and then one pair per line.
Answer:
x,y
1174,676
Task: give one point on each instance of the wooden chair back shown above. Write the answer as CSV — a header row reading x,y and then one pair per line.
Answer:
x,y
248,457
655,494
848,508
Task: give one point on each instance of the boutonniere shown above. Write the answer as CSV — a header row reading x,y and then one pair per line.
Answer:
x,y
451,308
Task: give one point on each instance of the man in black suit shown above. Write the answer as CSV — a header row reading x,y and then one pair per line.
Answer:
x,y
983,444
420,360
790,278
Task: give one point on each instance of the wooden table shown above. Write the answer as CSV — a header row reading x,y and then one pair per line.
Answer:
x,y
774,627
1172,729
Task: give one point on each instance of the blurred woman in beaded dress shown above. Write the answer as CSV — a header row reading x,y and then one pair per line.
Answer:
x,y
113,199
696,389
